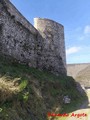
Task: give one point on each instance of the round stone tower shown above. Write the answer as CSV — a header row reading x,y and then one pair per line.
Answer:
x,y
51,45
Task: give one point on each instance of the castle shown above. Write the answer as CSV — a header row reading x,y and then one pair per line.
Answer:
x,y
40,46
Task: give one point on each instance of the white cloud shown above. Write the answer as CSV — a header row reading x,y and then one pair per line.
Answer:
x,y
87,29
72,50
85,33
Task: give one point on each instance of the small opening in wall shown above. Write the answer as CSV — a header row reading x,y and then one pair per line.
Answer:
x,y
1,29
8,36
22,55
12,16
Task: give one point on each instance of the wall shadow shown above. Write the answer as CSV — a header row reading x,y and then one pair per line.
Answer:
x,y
83,104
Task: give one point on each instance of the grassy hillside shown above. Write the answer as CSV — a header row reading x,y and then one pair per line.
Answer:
x,y
29,94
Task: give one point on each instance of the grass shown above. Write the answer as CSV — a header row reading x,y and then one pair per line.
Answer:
x,y
29,94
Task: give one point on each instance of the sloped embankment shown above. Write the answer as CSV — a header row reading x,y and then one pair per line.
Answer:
x,y
80,72
29,94
84,76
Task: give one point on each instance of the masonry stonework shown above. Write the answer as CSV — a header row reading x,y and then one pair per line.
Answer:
x,y
41,46
53,46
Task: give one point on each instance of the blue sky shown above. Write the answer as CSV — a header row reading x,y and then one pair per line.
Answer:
x,y
73,14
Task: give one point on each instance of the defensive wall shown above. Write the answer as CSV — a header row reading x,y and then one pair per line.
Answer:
x,y
40,47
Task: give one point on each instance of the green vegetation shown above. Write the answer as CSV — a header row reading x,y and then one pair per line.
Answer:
x,y
29,94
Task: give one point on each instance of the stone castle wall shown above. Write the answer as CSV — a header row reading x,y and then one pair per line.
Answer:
x,y
41,47
53,46
16,40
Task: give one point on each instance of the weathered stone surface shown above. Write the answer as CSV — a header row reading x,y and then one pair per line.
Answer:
x,y
41,48
52,45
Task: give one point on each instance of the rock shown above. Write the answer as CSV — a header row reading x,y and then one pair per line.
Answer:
x,y
66,99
